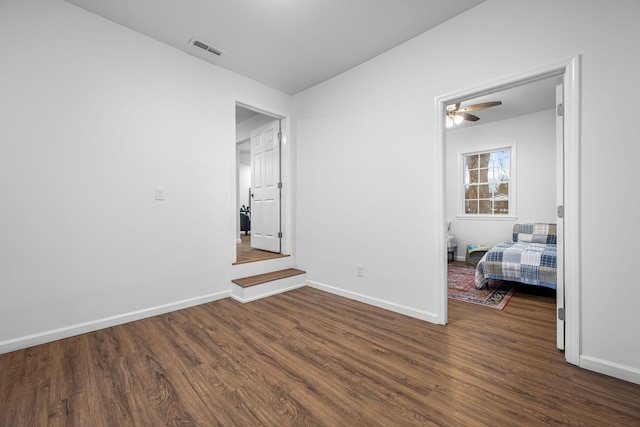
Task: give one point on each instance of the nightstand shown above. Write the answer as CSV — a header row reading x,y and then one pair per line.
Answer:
x,y
451,251
452,245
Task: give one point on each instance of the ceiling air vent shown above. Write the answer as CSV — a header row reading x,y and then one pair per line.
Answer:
x,y
204,46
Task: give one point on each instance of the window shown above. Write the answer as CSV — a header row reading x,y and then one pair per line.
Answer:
x,y
487,183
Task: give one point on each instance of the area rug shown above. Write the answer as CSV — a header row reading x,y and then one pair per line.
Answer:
x,y
462,288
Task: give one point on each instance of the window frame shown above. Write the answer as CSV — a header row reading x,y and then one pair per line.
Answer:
x,y
512,215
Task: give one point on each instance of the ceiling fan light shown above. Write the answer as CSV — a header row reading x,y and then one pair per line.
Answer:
x,y
449,122
457,119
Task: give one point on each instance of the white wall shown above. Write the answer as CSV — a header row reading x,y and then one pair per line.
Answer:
x,y
354,132
93,118
535,175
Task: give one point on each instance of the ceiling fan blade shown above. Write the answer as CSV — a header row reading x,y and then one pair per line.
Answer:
x,y
469,117
481,105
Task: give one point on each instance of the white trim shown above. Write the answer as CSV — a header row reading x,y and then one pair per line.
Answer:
x,y
570,70
486,217
616,370
397,308
249,298
572,216
95,325
258,108
264,290
559,184
442,314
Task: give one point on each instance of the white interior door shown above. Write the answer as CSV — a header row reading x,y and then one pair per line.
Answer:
x,y
560,203
265,189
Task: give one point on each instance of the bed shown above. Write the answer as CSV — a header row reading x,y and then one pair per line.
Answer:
x,y
531,258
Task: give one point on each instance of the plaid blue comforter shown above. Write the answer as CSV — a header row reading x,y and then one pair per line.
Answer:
x,y
524,262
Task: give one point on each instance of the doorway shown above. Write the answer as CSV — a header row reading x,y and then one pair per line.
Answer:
x,y
256,133
569,71
499,173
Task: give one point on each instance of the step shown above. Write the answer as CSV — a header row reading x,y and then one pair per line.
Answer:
x,y
260,286
246,282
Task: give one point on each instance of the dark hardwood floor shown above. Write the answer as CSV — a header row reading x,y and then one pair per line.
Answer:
x,y
245,253
306,357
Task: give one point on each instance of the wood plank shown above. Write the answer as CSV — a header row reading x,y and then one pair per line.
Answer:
x,y
245,253
258,279
306,357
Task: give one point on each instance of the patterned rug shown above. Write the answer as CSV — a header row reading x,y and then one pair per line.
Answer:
x,y
462,288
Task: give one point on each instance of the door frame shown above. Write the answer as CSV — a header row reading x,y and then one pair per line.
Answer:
x,y
570,70
285,174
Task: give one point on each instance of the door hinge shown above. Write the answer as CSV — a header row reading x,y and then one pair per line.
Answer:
x,y
561,314
280,185
279,136
560,211
560,110
279,234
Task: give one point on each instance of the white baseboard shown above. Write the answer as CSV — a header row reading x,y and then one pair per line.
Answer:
x,y
397,308
267,289
612,369
94,325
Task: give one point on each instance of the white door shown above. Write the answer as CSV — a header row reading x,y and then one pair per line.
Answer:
x,y
265,191
560,204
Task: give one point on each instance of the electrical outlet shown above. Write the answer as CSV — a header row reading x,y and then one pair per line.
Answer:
x,y
359,270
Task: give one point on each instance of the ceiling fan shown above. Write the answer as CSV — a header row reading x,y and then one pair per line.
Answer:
x,y
455,114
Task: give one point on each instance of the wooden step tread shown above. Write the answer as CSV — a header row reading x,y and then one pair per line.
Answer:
x,y
246,282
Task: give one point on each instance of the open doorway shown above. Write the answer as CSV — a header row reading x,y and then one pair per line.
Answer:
x,y
500,171
258,201
568,181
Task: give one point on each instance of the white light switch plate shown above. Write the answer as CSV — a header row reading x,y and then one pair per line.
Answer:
x,y
159,193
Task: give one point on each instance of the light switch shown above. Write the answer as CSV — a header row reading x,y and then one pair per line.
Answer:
x,y
159,193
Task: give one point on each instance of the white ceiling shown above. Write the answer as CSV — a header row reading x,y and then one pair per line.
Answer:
x,y
289,45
